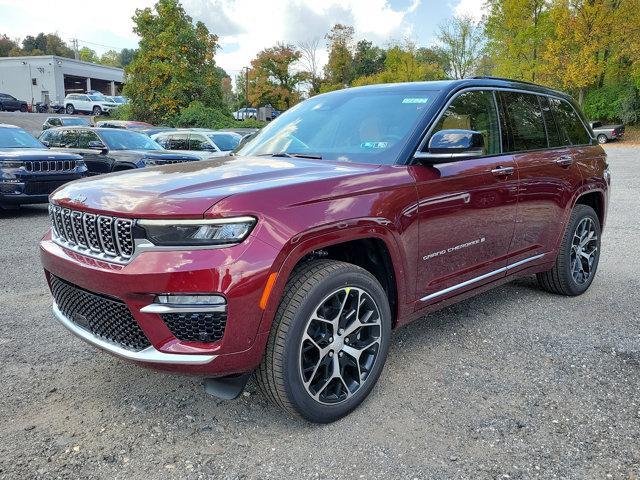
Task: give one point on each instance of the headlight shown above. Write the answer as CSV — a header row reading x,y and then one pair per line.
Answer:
x,y
149,162
221,231
10,164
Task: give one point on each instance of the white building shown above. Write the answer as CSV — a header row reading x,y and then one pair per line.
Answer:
x,y
48,78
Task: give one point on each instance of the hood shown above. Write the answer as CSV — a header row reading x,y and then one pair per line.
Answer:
x,y
190,189
35,154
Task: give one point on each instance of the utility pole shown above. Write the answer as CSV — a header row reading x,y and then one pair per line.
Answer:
x,y
76,53
246,86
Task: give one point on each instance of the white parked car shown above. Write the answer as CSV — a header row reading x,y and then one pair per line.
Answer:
x,y
94,104
244,113
204,143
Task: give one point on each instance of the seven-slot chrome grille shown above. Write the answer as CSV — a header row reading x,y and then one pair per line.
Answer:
x,y
50,165
99,236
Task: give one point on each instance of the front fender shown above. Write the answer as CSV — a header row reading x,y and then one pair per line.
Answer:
x,y
317,238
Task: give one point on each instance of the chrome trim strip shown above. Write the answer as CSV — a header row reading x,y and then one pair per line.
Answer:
x,y
149,354
168,308
480,278
196,221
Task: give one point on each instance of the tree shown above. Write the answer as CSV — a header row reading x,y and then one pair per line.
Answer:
x,y
174,65
338,71
126,56
402,65
111,58
309,61
272,79
435,56
516,31
368,59
88,55
46,44
460,42
7,45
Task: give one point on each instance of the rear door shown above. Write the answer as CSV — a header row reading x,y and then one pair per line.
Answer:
x,y
548,174
466,208
178,141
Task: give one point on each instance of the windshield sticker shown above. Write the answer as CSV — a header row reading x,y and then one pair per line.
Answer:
x,y
415,100
374,144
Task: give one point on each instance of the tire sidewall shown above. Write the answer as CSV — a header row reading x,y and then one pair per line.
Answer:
x,y
294,388
70,109
602,139
583,212
97,111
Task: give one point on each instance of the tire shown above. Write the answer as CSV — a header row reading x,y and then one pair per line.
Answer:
x,y
70,109
602,139
97,111
567,277
23,108
323,286
1,108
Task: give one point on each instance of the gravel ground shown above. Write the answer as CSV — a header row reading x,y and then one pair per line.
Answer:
x,y
514,383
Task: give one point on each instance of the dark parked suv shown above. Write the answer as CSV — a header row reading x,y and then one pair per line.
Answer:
x,y
10,103
29,171
111,150
349,215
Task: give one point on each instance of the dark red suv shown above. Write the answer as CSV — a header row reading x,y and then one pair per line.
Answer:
x,y
349,215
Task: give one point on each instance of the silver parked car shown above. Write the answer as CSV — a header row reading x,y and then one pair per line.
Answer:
x,y
202,142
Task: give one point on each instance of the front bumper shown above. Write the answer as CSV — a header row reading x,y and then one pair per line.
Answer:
x,y
238,273
33,188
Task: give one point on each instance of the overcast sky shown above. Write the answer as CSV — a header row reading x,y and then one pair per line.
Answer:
x,y
244,26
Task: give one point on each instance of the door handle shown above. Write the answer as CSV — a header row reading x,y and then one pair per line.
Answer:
x,y
565,160
503,171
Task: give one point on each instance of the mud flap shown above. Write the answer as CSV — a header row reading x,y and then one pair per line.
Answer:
x,y
226,388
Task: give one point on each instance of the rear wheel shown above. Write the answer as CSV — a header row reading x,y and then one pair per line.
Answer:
x,y
70,109
602,138
579,254
328,343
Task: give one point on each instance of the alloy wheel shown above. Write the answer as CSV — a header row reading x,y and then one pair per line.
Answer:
x,y
584,250
340,345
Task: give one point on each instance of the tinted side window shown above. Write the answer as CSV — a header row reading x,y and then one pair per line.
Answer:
x,y
553,134
69,138
474,110
178,142
525,121
198,142
54,137
569,122
86,136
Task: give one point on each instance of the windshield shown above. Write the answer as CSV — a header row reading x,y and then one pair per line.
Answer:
x,y
225,142
98,98
17,138
369,126
75,121
126,140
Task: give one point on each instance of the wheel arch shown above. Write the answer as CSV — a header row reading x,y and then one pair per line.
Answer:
x,y
373,248
594,199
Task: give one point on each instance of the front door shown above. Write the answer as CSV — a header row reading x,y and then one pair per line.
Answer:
x,y
466,208
97,161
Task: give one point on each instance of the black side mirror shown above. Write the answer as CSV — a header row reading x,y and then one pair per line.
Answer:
x,y
97,145
45,143
451,145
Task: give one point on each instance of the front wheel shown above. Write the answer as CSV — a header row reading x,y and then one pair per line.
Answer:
x,y
602,139
328,342
70,110
97,111
578,257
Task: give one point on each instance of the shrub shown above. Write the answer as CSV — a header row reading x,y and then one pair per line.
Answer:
x,y
197,115
121,113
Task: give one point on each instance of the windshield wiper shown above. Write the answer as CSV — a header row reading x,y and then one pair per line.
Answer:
x,y
297,155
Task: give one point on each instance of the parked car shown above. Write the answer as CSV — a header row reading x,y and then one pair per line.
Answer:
x,y
51,122
245,113
126,124
82,103
352,214
206,143
10,103
29,171
604,133
107,150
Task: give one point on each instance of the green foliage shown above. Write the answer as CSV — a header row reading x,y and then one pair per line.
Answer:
x,y
174,65
339,67
123,112
613,102
197,115
41,44
460,46
88,55
6,45
368,59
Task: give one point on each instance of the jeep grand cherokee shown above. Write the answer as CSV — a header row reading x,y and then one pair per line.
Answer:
x,y
351,214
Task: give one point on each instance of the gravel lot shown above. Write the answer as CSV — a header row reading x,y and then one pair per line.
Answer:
x,y
515,383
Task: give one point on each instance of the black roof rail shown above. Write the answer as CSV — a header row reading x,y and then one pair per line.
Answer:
x,y
489,77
